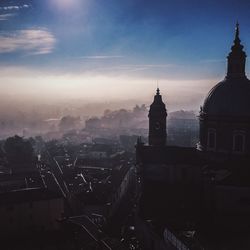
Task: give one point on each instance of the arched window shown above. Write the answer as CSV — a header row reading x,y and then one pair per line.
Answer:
x,y
239,142
211,139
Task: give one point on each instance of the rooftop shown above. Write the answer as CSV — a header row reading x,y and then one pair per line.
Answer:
x,y
27,195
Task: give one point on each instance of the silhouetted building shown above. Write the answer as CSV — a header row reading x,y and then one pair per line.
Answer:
x,y
225,115
28,211
173,170
157,122
203,189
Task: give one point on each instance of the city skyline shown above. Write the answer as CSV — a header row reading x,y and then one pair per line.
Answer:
x,y
124,124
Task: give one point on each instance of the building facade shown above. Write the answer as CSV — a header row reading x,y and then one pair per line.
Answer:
x,y
202,189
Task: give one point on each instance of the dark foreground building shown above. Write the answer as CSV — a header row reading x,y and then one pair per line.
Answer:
x,y
199,198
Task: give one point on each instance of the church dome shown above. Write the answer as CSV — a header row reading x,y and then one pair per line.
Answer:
x,y
230,97
225,115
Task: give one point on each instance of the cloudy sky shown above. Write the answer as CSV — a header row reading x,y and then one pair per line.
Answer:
x,y
111,50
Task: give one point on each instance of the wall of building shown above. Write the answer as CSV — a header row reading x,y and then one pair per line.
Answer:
x,y
225,130
227,207
122,189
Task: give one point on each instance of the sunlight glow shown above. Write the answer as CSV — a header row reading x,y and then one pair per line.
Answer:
x,y
65,5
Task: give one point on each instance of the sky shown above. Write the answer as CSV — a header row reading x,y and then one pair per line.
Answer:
x,y
117,50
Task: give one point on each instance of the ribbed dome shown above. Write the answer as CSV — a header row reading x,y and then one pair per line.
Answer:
x,y
230,97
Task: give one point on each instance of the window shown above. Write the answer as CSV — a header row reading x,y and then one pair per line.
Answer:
x,y
239,142
211,141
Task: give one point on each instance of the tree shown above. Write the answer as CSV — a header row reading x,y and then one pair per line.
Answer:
x,y
19,151
69,123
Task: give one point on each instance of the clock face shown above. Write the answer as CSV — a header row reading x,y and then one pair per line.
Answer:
x,y
157,125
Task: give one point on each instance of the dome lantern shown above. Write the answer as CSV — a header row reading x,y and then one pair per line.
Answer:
x,y
236,58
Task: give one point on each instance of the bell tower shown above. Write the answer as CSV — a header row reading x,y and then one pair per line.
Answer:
x,y
157,122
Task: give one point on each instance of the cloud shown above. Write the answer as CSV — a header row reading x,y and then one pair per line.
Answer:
x,y
101,57
15,7
4,17
25,83
31,41
125,68
9,11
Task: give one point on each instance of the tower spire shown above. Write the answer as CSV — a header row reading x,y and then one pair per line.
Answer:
x,y
237,32
157,121
236,58
157,90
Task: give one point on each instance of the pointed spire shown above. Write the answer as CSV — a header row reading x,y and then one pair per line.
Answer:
x,y
237,57
157,90
158,98
237,32
157,121
237,44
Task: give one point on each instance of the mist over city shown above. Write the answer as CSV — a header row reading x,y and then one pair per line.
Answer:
x,y
124,125
79,58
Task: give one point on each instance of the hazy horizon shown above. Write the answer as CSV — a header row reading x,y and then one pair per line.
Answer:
x,y
70,51
36,89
